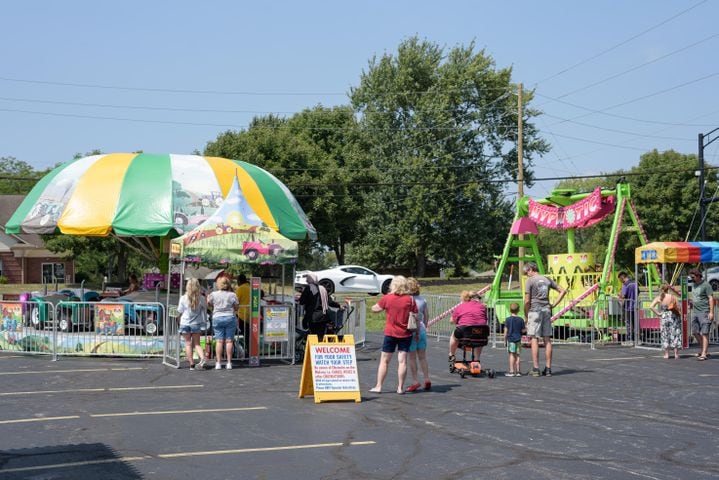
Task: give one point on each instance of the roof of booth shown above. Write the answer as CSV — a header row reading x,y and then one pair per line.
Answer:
x,y
678,252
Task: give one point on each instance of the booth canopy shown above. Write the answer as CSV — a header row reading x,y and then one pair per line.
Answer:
x,y
143,194
678,252
234,234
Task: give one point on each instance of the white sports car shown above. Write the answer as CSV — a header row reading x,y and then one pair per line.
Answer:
x,y
347,279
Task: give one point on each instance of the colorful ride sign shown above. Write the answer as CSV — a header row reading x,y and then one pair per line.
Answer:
x,y
329,371
582,214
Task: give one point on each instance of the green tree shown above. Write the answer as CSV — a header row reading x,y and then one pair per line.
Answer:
x,y
16,176
442,131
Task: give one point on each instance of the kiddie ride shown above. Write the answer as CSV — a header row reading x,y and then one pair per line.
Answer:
x,y
590,286
473,336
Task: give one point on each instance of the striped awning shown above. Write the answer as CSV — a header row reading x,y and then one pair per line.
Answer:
x,y
678,252
144,194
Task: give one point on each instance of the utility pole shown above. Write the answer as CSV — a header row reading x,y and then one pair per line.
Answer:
x,y
520,171
702,200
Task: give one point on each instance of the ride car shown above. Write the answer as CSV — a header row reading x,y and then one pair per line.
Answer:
x,y
347,279
71,307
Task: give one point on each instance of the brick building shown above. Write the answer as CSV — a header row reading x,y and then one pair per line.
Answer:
x,y
23,258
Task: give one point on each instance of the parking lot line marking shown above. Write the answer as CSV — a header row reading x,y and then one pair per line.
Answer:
x,y
161,387
74,464
264,449
172,412
43,419
96,390
614,359
39,392
180,455
80,370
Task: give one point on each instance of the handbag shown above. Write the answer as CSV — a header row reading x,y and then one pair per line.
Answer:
x,y
412,324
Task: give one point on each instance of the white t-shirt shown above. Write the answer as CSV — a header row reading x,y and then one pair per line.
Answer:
x,y
224,303
189,317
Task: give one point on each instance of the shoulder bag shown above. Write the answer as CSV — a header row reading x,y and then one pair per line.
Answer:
x,y
412,324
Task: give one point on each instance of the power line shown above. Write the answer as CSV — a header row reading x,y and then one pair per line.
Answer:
x,y
624,42
615,130
459,183
637,67
217,92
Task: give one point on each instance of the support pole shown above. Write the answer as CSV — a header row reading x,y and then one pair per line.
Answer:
x,y
520,167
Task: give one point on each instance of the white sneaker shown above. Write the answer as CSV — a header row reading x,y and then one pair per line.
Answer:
x,y
229,366
218,366
201,365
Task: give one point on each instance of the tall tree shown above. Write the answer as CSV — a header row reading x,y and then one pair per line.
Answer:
x,y
442,130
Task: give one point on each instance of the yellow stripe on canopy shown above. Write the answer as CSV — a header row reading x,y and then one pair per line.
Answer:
x,y
225,171
95,217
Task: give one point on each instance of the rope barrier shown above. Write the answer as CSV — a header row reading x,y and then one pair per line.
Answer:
x,y
449,312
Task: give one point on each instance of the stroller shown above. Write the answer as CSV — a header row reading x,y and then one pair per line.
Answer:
x,y
336,320
472,336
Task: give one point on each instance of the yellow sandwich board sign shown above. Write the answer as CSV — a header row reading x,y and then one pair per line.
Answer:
x,y
329,371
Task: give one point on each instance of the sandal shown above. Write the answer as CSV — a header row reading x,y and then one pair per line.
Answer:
x,y
414,387
701,358
428,385
452,359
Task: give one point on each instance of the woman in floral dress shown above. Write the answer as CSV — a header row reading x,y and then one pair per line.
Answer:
x,y
671,329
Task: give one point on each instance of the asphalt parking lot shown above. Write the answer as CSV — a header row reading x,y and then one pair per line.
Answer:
x,y
607,413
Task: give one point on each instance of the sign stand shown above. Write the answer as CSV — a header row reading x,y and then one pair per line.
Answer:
x,y
329,371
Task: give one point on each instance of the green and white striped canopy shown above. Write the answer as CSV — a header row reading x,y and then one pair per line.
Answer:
x,y
145,194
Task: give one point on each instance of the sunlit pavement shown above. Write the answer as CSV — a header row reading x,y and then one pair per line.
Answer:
x,y
606,413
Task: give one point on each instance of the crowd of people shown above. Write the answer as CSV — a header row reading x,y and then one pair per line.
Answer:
x,y
535,325
231,312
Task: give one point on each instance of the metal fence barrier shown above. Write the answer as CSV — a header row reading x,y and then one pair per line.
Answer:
x,y
278,333
59,327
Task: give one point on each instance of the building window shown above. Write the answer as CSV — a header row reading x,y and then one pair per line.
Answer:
x,y
53,272
1,269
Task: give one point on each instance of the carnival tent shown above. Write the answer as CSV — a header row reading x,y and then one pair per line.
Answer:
x,y
150,195
234,234
677,252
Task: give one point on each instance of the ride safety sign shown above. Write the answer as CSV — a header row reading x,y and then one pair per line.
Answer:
x,y
329,371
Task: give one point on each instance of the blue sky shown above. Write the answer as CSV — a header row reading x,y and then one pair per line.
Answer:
x,y
614,78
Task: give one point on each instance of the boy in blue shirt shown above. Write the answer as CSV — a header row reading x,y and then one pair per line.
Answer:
x,y
513,329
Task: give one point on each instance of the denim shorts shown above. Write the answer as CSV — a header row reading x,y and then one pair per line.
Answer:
x,y
391,344
223,328
420,344
191,328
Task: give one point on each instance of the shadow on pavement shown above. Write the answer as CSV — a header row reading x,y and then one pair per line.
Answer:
x,y
90,460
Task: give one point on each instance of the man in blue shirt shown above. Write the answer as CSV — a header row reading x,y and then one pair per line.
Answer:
x,y
629,295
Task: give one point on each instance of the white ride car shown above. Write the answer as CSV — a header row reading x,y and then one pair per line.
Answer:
x,y
347,279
